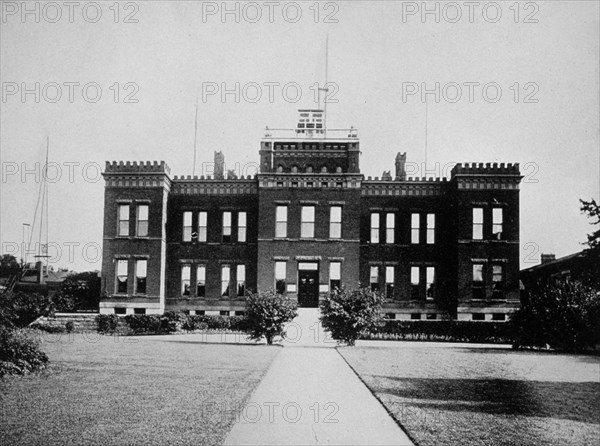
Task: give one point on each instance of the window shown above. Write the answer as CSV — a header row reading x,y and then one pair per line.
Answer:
x,y
120,310
280,277
226,227
281,221
478,316
374,278
242,221
335,222
389,282
430,229
124,220
498,316
202,226
431,316
307,227
225,278
187,226
415,281
335,275
139,311
185,280
415,316
390,227
142,221
141,273
241,280
374,228
477,223
201,281
498,281
430,282
497,220
415,227
122,276
478,284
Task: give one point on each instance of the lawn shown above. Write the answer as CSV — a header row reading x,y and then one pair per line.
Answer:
x,y
450,394
119,390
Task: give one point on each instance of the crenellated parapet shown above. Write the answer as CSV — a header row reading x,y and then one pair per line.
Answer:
x,y
142,167
486,176
410,186
486,169
194,185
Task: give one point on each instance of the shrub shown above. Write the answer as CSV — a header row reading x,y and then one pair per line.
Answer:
x,y
19,353
69,326
151,323
348,314
79,291
565,316
18,309
442,330
205,322
266,315
49,328
107,323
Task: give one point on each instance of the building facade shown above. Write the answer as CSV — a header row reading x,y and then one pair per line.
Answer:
x,y
306,223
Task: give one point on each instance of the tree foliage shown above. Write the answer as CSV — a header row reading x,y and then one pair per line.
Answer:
x,y
592,254
563,315
266,315
348,314
80,291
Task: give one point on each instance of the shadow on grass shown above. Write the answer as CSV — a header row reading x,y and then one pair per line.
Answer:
x,y
569,401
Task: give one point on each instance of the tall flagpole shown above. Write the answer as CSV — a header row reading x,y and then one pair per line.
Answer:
x,y
195,135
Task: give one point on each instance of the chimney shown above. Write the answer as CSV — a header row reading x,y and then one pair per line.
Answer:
x,y
219,166
400,166
547,258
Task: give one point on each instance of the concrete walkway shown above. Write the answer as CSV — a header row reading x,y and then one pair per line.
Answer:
x,y
310,396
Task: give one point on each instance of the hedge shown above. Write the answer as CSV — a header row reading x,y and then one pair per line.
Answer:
x,y
444,330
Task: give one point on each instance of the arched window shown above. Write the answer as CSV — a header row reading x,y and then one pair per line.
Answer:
x,y
324,169
309,169
294,169
280,168
338,169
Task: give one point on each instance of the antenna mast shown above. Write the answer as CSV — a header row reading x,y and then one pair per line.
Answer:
x,y
325,86
195,135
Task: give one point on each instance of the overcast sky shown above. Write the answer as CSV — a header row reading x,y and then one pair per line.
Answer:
x,y
538,63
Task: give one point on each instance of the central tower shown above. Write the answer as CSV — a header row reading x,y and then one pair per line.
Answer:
x,y
309,201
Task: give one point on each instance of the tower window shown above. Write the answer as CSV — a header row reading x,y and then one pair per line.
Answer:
x,y
374,278
280,277
374,227
390,228
242,217
430,282
389,282
141,273
202,226
201,281
241,280
497,222
335,275
477,223
498,281
226,227
478,282
185,280
281,221
430,229
225,279
415,281
142,220
307,227
124,220
335,222
187,226
122,276
415,228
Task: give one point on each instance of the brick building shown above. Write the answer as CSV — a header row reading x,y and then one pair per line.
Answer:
x,y
310,221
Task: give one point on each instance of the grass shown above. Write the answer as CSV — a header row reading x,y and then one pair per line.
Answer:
x,y
448,395
119,390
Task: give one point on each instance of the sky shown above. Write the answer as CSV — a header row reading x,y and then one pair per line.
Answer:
x,y
513,82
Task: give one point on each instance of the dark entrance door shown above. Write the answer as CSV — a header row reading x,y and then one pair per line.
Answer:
x,y
308,288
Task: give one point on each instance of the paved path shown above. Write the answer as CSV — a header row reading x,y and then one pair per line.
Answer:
x,y
310,396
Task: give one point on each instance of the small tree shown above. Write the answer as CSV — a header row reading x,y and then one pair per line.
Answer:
x,y
347,314
266,315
